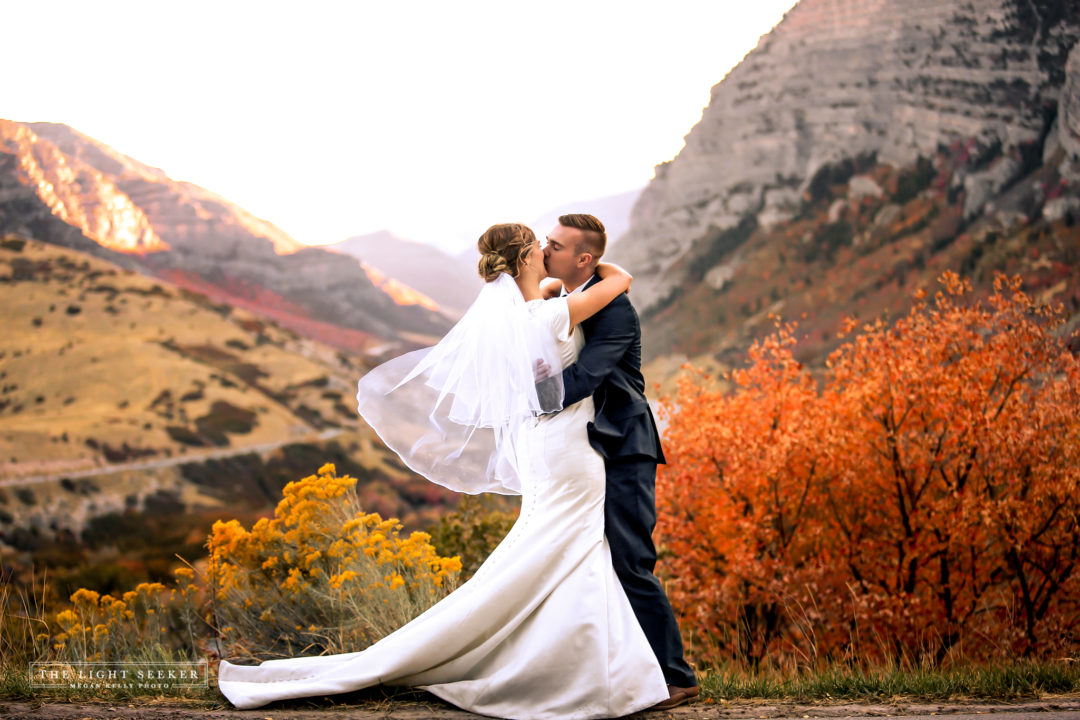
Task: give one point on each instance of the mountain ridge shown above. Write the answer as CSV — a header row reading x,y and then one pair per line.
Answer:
x,y
448,281
859,151
52,177
839,80
134,177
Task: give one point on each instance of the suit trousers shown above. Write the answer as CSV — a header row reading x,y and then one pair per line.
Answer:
x,y
630,516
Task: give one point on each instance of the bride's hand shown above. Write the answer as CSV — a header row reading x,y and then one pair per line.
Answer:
x,y
606,270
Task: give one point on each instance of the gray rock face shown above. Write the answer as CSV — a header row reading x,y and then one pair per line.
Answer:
x,y
981,186
847,78
1068,124
1060,207
862,186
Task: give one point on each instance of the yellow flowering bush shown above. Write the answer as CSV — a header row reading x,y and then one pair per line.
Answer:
x,y
103,627
321,576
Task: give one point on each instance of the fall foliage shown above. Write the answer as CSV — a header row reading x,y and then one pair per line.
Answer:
x,y
919,502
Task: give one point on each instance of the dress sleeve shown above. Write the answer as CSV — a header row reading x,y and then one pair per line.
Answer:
x,y
556,313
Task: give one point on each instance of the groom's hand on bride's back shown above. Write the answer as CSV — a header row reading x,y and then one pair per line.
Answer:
x,y
549,389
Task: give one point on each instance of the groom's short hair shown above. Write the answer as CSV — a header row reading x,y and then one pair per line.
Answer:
x,y
593,235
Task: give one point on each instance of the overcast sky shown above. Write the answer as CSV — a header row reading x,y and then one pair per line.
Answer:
x,y
432,119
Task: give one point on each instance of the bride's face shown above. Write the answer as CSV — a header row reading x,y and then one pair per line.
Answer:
x,y
534,260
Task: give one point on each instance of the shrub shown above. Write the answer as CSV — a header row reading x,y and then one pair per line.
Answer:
x,y
472,531
223,418
321,576
185,436
922,505
151,618
829,239
13,243
914,180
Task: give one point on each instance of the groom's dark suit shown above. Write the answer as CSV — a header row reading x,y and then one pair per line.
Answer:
x,y
624,433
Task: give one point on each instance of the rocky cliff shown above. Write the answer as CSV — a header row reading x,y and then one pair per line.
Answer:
x,y
868,80
61,186
1068,126
40,197
194,220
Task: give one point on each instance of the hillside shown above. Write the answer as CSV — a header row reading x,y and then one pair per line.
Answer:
x,y
126,394
861,247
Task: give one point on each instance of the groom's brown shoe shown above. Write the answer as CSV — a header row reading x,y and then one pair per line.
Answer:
x,y
677,696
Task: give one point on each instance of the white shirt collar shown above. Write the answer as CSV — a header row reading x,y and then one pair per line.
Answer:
x,y
578,289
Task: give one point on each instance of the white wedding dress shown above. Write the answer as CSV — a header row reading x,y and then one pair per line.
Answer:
x,y
542,630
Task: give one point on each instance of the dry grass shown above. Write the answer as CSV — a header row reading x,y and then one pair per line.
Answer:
x,y
87,349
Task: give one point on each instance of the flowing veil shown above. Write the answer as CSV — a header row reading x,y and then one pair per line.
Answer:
x,y
459,412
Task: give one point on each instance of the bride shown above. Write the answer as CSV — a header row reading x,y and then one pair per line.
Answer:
x,y
544,628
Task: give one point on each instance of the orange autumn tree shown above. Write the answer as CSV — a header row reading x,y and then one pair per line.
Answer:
x,y
735,499
921,503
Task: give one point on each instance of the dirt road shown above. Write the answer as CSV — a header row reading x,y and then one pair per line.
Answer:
x,y
175,460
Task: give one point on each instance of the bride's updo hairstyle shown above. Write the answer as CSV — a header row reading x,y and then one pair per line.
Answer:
x,y
503,248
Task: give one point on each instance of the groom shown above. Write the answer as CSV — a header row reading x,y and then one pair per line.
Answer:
x,y
624,433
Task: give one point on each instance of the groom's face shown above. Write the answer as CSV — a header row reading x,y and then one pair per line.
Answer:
x,y
561,256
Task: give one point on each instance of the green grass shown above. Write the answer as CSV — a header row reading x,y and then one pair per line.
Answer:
x,y
992,682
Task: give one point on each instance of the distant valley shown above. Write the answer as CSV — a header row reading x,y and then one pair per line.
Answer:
x,y
452,283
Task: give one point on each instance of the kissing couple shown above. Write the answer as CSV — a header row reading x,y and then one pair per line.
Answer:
x,y
565,618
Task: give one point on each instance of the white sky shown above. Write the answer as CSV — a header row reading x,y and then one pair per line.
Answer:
x,y
332,119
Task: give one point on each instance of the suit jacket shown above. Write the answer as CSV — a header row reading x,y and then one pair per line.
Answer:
x,y
609,369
